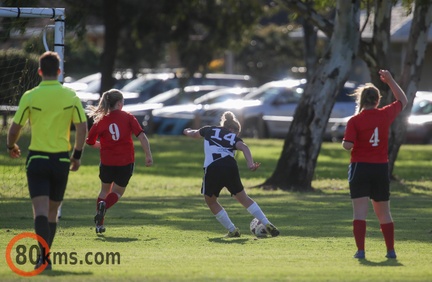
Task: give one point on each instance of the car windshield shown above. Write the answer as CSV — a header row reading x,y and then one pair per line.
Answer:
x,y
422,107
176,96
189,97
163,97
140,85
217,99
222,95
292,94
94,86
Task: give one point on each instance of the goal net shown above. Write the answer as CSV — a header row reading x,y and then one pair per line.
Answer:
x,y
25,33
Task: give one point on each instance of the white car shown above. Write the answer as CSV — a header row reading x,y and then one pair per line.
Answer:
x,y
171,120
268,111
419,123
152,84
177,96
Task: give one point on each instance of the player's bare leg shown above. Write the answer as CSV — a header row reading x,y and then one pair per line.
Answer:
x,y
253,208
222,216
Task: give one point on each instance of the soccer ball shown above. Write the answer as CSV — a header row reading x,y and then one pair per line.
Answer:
x,y
258,229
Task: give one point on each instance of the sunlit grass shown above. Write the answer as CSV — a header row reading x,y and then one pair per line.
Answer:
x,y
165,232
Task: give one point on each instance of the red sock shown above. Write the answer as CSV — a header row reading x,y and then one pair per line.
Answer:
x,y
111,199
359,231
387,230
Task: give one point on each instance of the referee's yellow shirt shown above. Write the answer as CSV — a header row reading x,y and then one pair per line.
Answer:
x,y
51,108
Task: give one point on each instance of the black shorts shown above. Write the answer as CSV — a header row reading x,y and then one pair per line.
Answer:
x,y
47,174
120,175
369,180
217,177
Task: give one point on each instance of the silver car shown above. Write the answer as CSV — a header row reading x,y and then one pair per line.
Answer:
x,y
419,123
268,111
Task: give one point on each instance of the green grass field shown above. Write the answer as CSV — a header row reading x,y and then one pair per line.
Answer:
x,y
161,230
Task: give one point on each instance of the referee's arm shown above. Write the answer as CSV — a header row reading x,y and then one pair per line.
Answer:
x,y
80,136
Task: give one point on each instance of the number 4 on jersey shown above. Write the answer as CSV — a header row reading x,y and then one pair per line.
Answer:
x,y
374,140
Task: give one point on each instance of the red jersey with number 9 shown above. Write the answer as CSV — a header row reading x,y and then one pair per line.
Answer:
x,y
369,131
114,132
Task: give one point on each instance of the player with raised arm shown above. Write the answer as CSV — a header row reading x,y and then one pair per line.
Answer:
x,y
221,170
112,134
366,135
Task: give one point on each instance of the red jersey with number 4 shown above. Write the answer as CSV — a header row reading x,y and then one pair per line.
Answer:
x,y
114,132
369,131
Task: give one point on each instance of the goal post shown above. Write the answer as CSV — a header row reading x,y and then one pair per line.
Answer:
x,y
19,53
56,14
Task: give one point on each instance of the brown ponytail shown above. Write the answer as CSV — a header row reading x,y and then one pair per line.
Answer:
x,y
106,103
230,122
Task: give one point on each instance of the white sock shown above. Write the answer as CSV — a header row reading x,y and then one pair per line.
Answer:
x,y
223,218
256,212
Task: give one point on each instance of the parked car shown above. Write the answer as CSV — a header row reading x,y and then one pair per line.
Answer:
x,y
268,111
149,85
92,82
176,96
419,123
88,87
82,83
419,127
172,120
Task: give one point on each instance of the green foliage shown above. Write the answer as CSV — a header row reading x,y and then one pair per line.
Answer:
x,y
200,30
270,54
80,56
18,73
8,23
210,28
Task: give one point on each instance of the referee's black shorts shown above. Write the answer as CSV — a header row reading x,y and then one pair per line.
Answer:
x,y
47,174
216,177
369,180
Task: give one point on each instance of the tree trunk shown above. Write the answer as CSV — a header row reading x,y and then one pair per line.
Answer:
x,y
110,43
296,165
411,73
376,57
310,40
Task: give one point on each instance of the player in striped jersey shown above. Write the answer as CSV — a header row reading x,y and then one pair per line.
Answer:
x,y
221,170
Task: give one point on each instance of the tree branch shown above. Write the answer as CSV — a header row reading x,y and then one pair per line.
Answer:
x,y
309,14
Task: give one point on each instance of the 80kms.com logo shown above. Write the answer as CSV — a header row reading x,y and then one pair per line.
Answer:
x,y
23,254
19,256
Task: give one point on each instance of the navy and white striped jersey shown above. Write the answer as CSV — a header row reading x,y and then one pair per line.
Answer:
x,y
219,143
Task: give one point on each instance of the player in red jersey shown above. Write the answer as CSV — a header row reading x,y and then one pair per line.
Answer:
x,y
366,135
221,170
114,128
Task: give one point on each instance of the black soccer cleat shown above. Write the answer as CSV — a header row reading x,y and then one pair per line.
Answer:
x,y
99,217
100,229
272,230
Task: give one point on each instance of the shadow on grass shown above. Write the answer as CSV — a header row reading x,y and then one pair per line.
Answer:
x,y
388,262
411,188
111,239
307,215
54,273
220,240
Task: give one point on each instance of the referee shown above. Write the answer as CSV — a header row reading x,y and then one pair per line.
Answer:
x,y
50,108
